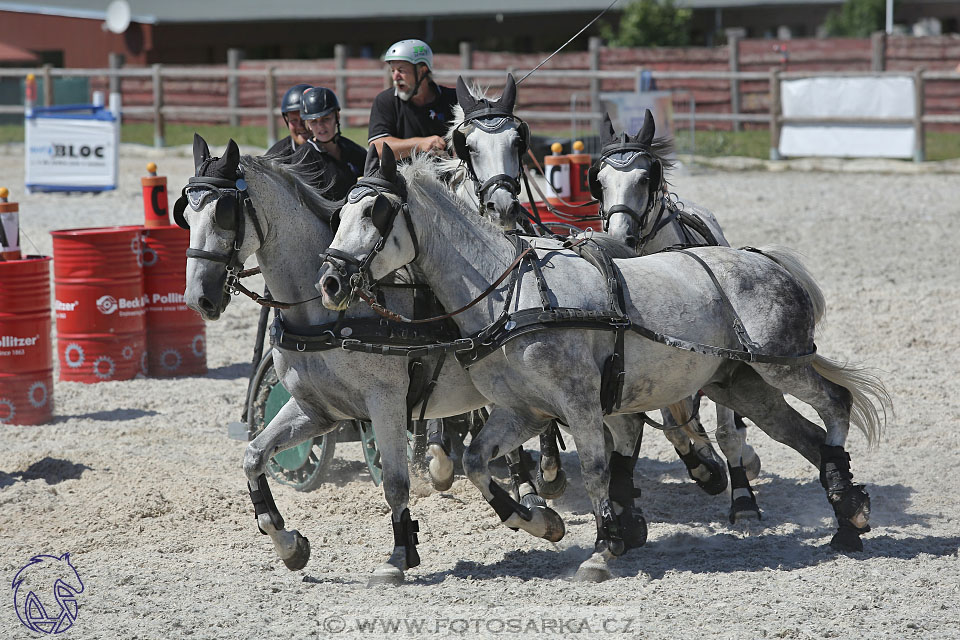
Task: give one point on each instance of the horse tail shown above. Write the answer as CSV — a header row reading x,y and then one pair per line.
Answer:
x,y
865,388
790,260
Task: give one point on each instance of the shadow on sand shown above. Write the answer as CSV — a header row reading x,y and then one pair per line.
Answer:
x,y
50,470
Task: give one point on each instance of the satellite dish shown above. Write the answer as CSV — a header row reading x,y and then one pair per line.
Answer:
x,y
118,16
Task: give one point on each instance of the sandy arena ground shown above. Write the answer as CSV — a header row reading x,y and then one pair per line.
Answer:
x,y
138,481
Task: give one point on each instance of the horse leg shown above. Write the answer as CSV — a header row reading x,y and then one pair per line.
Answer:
x,y
438,446
746,392
594,465
627,432
551,478
751,461
703,464
290,427
506,430
389,427
743,504
519,463
824,390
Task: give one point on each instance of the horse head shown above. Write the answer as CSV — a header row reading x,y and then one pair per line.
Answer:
x,y
213,206
491,140
369,243
628,179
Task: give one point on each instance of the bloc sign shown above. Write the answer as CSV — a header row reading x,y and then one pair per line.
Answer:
x,y
71,148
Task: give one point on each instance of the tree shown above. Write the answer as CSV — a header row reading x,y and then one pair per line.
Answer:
x,y
856,19
650,23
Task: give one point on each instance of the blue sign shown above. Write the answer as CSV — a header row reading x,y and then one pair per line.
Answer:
x,y
45,594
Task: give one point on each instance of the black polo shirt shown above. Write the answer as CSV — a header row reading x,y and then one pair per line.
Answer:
x,y
391,116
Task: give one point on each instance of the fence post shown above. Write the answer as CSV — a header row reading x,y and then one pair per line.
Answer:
x,y
466,58
878,51
158,124
919,142
775,109
115,61
234,56
594,48
340,82
47,85
638,80
270,82
733,42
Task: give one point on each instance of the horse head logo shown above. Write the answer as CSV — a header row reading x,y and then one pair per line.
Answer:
x,y
45,594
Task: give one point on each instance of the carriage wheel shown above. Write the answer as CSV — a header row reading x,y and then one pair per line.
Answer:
x,y
301,467
416,448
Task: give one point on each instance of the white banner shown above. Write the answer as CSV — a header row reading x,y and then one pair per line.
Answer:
x,y
71,152
627,109
848,97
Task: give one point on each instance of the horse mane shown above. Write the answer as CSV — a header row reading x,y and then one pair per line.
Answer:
x,y
422,175
301,175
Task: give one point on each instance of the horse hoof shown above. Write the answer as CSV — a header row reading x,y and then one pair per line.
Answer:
x,y
532,500
716,483
751,462
846,540
551,523
551,489
440,468
744,508
592,570
387,575
298,560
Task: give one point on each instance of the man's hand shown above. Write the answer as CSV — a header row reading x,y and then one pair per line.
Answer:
x,y
432,144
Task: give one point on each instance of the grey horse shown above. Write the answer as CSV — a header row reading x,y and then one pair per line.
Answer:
x,y
284,224
490,142
755,312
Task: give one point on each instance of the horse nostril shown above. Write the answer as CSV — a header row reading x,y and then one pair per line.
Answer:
x,y
205,304
331,285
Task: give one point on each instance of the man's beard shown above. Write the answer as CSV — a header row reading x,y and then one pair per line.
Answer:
x,y
403,95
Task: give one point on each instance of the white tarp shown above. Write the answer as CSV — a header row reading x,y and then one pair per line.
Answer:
x,y
67,151
848,97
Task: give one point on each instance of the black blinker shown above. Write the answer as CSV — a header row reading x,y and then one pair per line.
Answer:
x,y
225,214
178,208
382,214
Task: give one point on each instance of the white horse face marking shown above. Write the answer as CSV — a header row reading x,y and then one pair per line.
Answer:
x,y
358,236
494,150
205,278
625,180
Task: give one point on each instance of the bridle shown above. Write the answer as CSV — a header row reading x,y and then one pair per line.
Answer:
x,y
232,208
384,215
500,180
654,196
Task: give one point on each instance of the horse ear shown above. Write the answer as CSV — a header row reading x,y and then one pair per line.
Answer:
x,y
509,97
645,135
388,164
464,97
232,155
606,130
372,164
200,150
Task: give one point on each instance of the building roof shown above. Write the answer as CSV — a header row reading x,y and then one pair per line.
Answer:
x,y
191,11
10,53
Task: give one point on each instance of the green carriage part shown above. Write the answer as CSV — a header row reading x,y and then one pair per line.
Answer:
x,y
303,466
416,448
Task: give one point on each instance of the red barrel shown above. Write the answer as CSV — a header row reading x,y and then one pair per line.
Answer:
x,y
100,304
26,355
176,335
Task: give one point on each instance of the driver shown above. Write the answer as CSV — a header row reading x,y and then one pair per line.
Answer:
x,y
290,110
414,115
342,160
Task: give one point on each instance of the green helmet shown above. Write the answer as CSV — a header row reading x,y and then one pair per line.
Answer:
x,y
412,51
